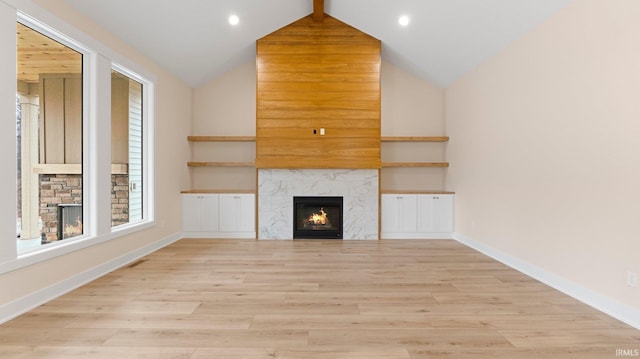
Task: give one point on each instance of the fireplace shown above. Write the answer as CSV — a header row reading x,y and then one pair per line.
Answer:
x,y
358,188
317,217
69,220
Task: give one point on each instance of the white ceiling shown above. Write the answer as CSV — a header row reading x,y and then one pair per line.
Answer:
x,y
444,40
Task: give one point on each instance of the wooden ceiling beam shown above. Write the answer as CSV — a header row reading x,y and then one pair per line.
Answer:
x,y
318,10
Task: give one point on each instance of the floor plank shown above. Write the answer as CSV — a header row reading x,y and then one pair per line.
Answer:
x,y
216,298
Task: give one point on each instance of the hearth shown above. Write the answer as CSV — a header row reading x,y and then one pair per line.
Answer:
x,y
317,217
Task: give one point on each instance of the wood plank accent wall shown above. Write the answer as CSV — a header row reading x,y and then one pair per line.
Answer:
x,y
313,75
61,118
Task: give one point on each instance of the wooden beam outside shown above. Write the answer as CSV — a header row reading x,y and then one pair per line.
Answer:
x,y
318,10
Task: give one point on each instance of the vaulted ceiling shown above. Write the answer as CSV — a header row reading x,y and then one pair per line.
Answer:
x,y
444,40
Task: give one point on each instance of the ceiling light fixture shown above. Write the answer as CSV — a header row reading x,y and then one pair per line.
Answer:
x,y
234,20
403,20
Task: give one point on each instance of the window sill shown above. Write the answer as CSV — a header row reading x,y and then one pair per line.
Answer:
x,y
41,254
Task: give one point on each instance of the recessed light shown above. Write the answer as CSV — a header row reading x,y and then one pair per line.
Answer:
x,y
234,20
403,20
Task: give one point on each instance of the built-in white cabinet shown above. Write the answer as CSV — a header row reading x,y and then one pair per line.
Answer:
x,y
435,213
200,212
237,213
399,213
219,215
416,216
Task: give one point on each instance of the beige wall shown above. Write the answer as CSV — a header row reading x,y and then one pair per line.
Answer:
x,y
225,106
410,107
173,116
544,148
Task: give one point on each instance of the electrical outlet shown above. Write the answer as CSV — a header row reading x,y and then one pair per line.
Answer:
x,y
632,279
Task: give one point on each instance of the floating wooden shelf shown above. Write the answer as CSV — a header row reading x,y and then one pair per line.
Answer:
x,y
221,164
203,191
414,138
221,138
415,164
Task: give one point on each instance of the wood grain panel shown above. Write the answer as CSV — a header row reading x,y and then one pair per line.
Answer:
x,y
321,58
313,75
327,97
319,147
370,105
119,118
73,119
317,163
292,37
306,67
298,32
38,54
52,126
305,133
311,48
326,114
61,120
318,77
309,124
320,86
318,10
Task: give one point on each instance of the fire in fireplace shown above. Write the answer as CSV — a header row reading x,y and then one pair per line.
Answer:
x,y
317,217
69,220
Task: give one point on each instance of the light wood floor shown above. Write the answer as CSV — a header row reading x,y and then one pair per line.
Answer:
x,y
203,298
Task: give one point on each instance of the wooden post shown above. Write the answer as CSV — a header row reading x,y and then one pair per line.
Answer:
x,y
318,10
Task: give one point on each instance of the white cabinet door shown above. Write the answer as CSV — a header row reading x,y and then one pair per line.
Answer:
x,y
237,213
200,212
417,216
190,213
427,213
247,213
444,213
399,213
209,221
435,213
389,213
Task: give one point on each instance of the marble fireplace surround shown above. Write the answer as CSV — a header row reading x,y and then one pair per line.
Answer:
x,y
358,187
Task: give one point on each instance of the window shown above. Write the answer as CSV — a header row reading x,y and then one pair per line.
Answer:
x,y
126,150
66,174
49,136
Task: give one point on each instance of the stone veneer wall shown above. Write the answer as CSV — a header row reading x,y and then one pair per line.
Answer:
x,y
358,187
67,188
57,189
119,199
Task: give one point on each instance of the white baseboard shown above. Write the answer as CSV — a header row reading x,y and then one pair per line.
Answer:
x,y
416,235
609,306
30,301
220,235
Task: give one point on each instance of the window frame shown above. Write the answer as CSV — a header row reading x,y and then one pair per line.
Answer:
x,y
98,61
147,146
86,91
